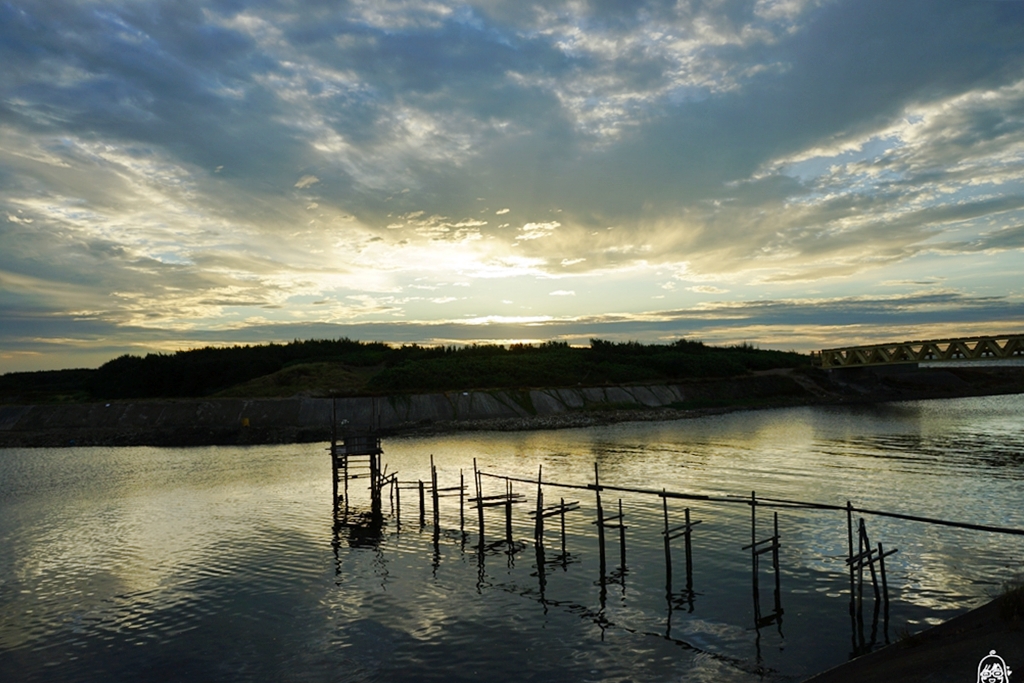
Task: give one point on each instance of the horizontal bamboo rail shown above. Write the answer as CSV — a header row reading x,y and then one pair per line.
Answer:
x,y
765,502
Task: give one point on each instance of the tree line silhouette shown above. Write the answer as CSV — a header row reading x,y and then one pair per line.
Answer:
x,y
396,369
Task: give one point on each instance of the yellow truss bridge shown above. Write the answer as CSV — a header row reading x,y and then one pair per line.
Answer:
x,y
967,348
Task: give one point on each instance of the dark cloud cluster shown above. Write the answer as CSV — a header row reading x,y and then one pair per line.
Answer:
x,y
187,166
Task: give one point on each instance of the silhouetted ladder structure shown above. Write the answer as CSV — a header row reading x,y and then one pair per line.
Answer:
x,y
542,513
758,548
505,500
670,534
357,456
866,556
614,522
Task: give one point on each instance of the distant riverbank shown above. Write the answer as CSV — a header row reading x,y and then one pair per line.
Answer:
x,y
308,419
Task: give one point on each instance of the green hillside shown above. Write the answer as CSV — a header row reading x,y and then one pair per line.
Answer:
x,y
345,367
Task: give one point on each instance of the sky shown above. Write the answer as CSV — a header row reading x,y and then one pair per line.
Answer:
x,y
794,174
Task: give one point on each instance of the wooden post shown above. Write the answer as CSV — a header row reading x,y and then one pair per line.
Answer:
x,y
398,504
775,568
668,549
508,513
334,451
377,479
881,567
334,474
885,591
600,521
753,558
433,493
622,539
849,540
689,559
423,507
562,501
538,524
462,502
871,564
479,501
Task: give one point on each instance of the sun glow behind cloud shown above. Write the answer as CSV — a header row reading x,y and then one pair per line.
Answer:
x,y
191,174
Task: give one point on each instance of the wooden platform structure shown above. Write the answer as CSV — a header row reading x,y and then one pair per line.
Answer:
x,y
356,455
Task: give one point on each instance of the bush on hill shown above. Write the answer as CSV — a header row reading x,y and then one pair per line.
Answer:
x,y
391,369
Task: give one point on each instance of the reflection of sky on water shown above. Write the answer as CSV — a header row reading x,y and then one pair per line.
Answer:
x,y
217,563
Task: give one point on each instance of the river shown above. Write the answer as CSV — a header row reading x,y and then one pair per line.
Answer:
x,y
223,563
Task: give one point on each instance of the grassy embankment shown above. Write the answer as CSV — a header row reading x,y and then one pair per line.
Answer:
x,y
352,368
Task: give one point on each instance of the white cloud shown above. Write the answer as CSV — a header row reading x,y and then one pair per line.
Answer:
x,y
533,231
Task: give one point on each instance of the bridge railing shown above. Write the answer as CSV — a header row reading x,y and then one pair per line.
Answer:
x,y
965,348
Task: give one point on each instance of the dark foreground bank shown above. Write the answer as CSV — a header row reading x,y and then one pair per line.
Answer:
x,y
308,419
947,653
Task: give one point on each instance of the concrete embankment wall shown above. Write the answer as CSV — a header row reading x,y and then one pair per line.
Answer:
x,y
225,421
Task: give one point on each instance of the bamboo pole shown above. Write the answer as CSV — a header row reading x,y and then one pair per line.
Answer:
x,y
689,558
600,521
776,503
562,515
508,513
538,525
753,559
423,506
479,500
849,541
434,493
668,551
622,539
775,568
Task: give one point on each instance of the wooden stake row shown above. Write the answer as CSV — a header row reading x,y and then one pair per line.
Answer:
x,y
345,469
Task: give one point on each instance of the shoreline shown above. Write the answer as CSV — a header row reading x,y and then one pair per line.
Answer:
x,y
946,653
212,422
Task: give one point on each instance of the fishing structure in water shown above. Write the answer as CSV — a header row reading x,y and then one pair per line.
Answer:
x,y
356,455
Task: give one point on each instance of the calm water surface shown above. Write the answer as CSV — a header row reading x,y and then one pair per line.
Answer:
x,y
128,564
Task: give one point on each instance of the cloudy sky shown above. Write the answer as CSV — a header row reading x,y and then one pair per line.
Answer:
x,y
797,174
